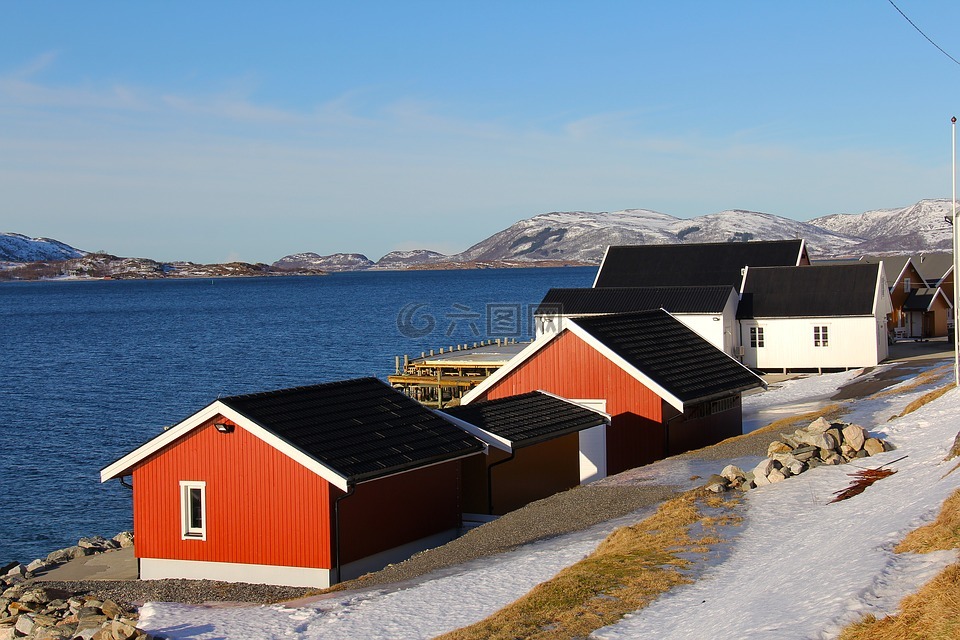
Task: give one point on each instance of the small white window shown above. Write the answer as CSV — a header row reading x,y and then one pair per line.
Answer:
x,y
906,285
820,338
756,337
193,510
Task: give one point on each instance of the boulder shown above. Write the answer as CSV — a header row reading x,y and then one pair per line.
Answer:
x,y
54,633
123,630
854,435
763,469
732,472
820,425
25,625
776,476
833,459
716,484
111,609
872,446
790,439
820,441
804,453
94,542
836,435
124,539
797,467
778,447
16,571
37,564
64,555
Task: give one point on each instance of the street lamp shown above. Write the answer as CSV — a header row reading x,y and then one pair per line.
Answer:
x,y
956,284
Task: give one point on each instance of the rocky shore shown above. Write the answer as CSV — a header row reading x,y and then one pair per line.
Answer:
x,y
43,611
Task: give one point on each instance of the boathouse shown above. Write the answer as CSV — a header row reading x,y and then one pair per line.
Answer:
x,y
666,388
303,486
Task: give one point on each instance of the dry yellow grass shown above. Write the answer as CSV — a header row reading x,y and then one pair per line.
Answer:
x,y
924,378
831,412
941,534
925,399
629,570
933,613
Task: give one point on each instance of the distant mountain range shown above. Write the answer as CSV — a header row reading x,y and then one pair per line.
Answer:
x,y
572,237
581,237
19,248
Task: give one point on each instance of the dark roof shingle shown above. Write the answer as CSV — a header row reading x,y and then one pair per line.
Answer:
x,y
814,291
672,265
361,429
710,299
527,418
671,354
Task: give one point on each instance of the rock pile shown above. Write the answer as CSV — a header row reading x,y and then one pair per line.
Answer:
x,y
820,443
34,612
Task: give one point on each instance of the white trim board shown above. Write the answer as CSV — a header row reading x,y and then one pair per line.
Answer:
x,y
122,466
162,568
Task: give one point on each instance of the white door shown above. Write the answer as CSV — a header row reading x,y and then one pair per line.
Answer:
x,y
593,446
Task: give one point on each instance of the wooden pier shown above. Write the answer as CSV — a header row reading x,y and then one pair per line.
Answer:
x,y
440,379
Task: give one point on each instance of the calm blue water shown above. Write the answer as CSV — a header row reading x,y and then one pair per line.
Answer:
x,y
91,370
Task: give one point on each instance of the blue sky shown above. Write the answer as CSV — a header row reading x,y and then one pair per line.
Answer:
x,y
235,130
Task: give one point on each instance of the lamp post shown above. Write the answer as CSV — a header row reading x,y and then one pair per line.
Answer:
x,y
956,284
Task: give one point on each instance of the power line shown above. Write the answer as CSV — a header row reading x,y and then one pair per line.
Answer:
x,y
920,31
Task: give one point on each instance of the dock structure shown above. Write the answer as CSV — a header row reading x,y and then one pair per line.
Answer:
x,y
441,379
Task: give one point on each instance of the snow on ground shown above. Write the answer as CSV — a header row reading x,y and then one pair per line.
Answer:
x,y
799,567
450,600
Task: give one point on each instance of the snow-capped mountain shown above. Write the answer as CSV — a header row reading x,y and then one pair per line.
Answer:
x,y
919,227
583,236
334,262
405,259
15,247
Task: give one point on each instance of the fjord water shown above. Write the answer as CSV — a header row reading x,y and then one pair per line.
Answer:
x,y
91,370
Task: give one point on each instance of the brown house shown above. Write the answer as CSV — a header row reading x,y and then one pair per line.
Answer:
x,y
536,448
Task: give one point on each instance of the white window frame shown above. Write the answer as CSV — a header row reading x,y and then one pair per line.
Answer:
x,y
756,337
187,530
906,285
821,336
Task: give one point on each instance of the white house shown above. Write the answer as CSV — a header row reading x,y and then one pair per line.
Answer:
x,y
814,317
711,311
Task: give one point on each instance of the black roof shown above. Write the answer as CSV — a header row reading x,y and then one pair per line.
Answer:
x,y
361,429
527,418
627,299
672,265
671,354
814,291
920,299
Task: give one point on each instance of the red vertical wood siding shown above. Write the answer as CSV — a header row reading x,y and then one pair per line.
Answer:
x,y
261,506
386,513
571,368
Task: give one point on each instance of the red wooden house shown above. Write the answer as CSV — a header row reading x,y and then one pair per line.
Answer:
x,y
300,486
666,388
